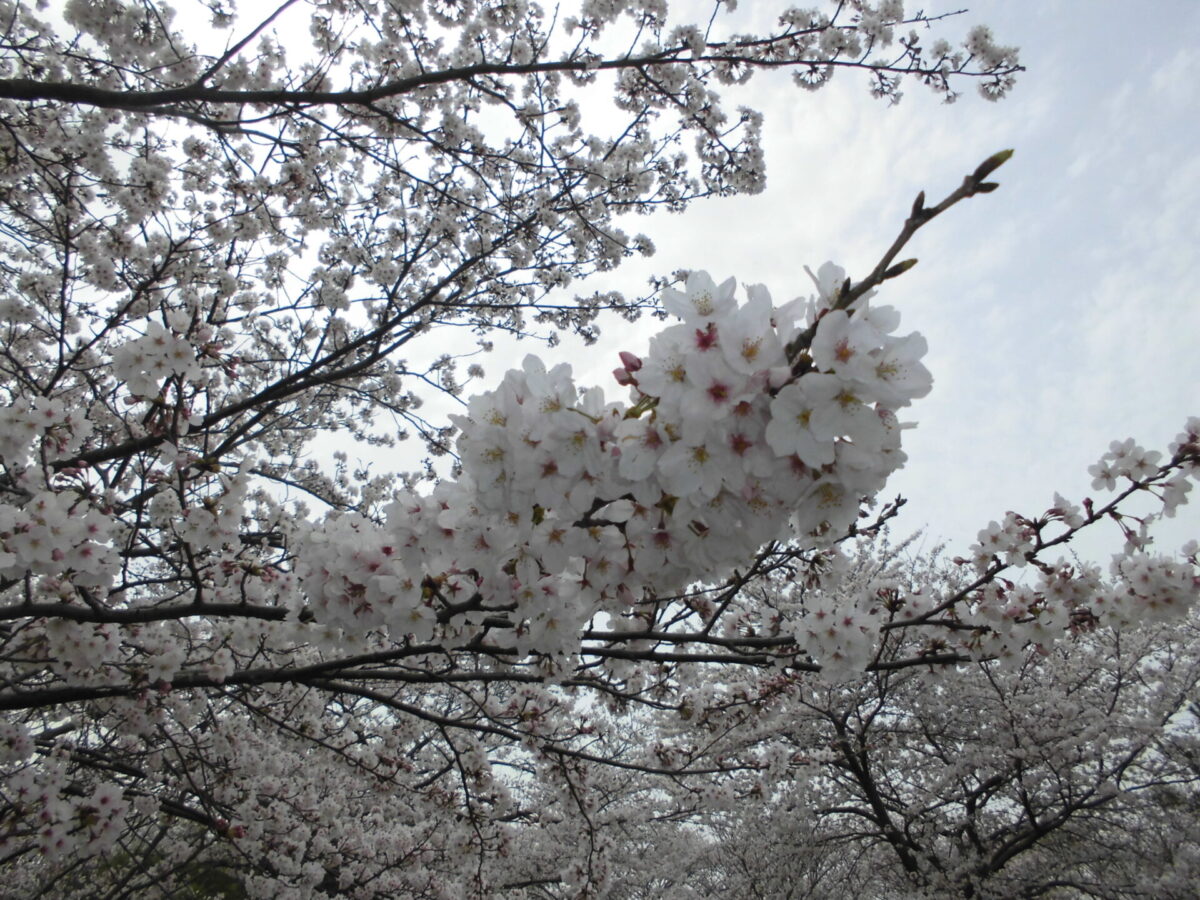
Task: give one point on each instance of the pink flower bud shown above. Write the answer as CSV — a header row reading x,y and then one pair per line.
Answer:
x,y
623,377
632,363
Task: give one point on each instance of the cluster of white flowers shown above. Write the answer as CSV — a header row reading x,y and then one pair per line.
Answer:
x,y
568,504
834,613
842,638
144,362
16,743
1070,597
55,535
1152,587
982,45
73,648
1124,459
838,624
1012,540
67,823
24,423
214,524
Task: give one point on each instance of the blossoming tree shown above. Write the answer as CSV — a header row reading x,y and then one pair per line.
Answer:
x,y
1072,773
230,669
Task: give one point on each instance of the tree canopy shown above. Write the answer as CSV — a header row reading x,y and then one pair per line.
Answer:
x,y
565,630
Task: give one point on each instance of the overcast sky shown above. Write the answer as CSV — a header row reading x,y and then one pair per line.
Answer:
x,y
1062,311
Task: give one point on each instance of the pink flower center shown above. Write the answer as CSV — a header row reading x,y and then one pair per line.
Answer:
x,y
718,392
706,339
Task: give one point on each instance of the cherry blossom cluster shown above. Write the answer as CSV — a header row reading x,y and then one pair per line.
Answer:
x,y
727,442
67,822
840,622
841,630
74,649
26,422
1124,459
57,536
160,353
1070,596
211,525
843,637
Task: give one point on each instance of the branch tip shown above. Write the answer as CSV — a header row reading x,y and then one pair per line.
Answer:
x,y
991,164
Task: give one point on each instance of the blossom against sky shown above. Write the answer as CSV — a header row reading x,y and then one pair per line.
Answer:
x,y
1061,311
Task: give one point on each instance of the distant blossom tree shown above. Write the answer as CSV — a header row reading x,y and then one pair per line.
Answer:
x,y
1075,773
229,670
